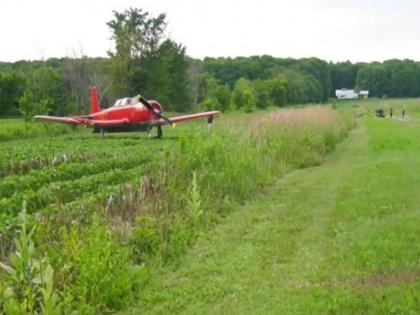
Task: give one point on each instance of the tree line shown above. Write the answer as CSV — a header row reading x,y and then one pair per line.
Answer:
x,y
145,61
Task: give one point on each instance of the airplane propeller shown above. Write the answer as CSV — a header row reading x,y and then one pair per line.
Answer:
x,y
149,106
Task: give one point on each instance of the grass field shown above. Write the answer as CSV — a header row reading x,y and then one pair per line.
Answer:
x,y
251,219
342,238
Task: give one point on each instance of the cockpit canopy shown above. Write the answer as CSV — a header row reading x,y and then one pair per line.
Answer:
x,y
125,101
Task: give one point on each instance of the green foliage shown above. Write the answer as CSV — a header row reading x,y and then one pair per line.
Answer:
x,y
64,191
43,94
161,70
290,81
11,87
214,95
31,280
146,241
135,33
141,62
29,106
195,211
101,269
343,76
164,75
249,104
404,78
243,97
270,92
318,78
144,62
373,77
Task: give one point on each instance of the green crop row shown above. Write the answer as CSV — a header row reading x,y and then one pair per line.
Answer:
x,y
62,192
23,150
78,152
38,178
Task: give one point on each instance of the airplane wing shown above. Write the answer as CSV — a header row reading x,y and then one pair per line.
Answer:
x,y
82,120
108,123
62,120
178,119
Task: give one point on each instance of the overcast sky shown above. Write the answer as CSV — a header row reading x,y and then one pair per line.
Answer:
x,y
336,30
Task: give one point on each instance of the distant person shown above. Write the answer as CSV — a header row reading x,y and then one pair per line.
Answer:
x,y
403,113
390,112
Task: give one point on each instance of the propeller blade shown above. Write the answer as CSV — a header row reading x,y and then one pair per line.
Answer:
x,y
149,106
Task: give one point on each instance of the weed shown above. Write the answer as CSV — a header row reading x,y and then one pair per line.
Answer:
x,y
194,202
31,280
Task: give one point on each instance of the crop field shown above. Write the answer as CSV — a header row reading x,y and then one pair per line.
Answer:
x,y
131,224
105,210
15,129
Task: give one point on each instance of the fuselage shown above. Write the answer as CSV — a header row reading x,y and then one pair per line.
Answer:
x,y
139,117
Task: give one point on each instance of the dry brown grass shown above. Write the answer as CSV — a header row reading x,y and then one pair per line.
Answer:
x,y
323,117
290,121
378,281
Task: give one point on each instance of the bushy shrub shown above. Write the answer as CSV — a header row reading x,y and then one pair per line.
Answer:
x,y
101,273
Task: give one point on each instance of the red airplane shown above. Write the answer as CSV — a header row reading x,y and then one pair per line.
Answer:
x,y
127,114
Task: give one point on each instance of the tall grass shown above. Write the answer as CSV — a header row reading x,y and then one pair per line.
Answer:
x,y
102,249
14,129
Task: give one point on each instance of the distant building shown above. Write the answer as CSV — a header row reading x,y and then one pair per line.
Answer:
x,y
345,94
364,94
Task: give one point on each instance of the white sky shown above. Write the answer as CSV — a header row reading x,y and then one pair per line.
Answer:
x,y
337,30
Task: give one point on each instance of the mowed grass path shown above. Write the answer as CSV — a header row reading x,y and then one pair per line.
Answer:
x,y
341,238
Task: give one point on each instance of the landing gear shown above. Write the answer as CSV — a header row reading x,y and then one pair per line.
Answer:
x,y
159,132
209,123
102,133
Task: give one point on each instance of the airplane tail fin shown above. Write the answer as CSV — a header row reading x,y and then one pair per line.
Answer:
x,y
94,103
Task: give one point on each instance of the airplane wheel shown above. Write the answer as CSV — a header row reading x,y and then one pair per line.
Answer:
x,y
159,132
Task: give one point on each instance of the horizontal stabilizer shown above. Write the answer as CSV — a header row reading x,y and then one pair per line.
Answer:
x,y
60,120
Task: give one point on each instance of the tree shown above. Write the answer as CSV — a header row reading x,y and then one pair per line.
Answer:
x,y
46,87
270,92
318,76
11,88
195,75
403,78
343,76
136,36
30,106
167,78
215,96
243,96
262,90
249,103
79,74
43,94
142,63
373,77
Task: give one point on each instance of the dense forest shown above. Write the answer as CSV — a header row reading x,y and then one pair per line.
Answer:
x,y
145,62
